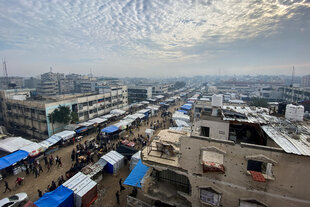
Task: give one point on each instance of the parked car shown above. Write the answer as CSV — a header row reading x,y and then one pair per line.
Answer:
x,y
18,199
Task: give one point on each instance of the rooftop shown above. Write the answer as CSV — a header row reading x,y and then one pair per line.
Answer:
x,y
164,149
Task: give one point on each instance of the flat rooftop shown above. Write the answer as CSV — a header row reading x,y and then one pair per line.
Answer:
x,y
164,149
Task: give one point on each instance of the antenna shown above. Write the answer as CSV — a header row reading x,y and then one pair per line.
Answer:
x,y
5,74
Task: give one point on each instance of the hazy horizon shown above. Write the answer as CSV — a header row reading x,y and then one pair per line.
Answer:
x,y
137,38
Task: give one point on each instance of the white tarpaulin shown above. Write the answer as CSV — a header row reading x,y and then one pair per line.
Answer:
x,y
65,135
180,116
117,112
34,147
12,144
181,123
98,120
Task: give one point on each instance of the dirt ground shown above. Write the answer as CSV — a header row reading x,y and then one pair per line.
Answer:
x,y
106,188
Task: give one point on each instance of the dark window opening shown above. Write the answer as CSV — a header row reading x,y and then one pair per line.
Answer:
x,y
205,131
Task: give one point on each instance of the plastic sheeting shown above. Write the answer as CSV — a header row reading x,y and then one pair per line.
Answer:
x,y
11,144
82,129
110,129
136,175
183,111
61,197
115,161
186,107
12,158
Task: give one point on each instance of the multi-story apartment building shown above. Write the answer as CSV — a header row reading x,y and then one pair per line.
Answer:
x,y
30,116
11,82
240,156
296,94
31,82
139,93
305,81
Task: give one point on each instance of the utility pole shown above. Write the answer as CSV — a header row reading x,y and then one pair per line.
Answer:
x,y
292,83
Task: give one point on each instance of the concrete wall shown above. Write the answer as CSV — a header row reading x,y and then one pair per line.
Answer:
x,y
290,187
218,129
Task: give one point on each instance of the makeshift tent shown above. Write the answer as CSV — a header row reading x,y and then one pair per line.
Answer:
x,y
86,124
71,127
149,132
134,160
115,161
136,175
50,141
98,120
117,112
34,149
11,144
181,123
108,116
121,125
181,116
140,116
61,197
84,189
81,130
186,107
133,117
110,129
65,135
183,111
12,158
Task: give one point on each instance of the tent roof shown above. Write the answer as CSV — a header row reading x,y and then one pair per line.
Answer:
x,y
181,123
186,107
110,129
86,124
71,127
65,134
98,120
12,158
112,157
33,147
183,111
136,175
61,197
11,144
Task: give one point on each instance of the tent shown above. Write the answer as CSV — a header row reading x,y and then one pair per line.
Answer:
x,y
110,129
61,197
181,123
98,120
117,112
186,107
126,151
12,144
34,149
12,158
81,130
84,189
115,161
149,132
134,160
181,116
50,141
65,135
183,111
136,175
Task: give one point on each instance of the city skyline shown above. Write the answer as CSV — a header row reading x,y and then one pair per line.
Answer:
x,y
145,39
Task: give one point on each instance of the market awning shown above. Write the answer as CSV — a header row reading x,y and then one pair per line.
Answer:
x,y
110,129
186,107
82,129
183,111
136,175
61,197
12,158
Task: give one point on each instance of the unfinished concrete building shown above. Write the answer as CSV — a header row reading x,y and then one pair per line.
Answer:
x,y
234,156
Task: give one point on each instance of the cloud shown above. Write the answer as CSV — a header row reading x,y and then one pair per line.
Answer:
x,y
165,30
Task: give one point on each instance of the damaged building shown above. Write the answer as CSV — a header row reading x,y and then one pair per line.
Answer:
x,y
234,156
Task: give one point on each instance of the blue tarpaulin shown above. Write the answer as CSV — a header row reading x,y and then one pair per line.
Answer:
x,y
136,175
186,107
82,129
12,158
110,129
184,112
61,197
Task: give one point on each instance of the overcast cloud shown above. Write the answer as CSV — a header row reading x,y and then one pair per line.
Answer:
x,y
155,38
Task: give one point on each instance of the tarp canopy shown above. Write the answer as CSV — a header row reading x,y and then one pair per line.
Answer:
x,y
82,129
181,116
98,120
136,175
12,158
121,125
186,107
110,129
50,141
117,112
140,116
131,117
183,111
114,160
181,123
108,116
61,197
11,144
145,102
86,124
65,135
71,127
144,111
34,149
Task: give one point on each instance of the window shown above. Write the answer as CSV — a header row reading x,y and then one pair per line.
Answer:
x,y
210,196
251,203
205,131
260,167
212,159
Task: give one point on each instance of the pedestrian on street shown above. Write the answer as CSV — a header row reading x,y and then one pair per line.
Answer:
x,y
45,161
117,197
39,193
121,185
6,184
48,167
40,168
27,170
36,172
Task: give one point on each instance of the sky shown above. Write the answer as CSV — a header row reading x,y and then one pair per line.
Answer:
x,y
153,38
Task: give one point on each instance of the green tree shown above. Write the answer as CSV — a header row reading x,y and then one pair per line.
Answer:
x,y
258,102
61,115
51,118
74,117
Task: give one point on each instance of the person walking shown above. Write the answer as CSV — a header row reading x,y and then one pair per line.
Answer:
x,y
48,167
6,184
117,197
39,193
36,172
121,185
40,168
